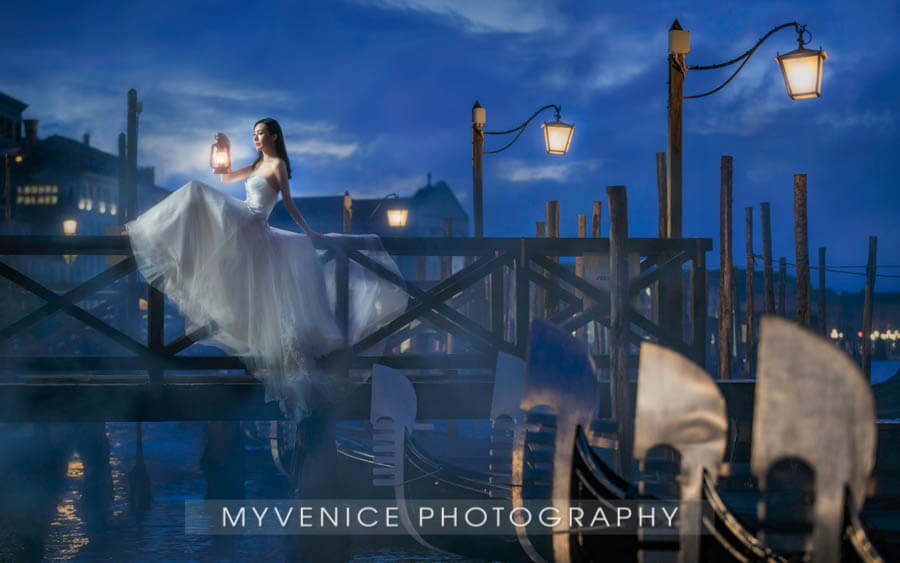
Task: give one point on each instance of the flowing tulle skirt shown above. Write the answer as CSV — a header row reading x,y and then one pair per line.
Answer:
x,y
264,290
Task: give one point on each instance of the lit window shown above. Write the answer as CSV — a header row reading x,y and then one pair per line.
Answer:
x,y
81,203
54,189
112,209
54,200
20,200
102,207
89,204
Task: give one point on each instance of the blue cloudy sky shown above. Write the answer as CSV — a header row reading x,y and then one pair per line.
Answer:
x,y
374,94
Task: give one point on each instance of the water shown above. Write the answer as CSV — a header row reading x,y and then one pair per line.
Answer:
x,y
79,526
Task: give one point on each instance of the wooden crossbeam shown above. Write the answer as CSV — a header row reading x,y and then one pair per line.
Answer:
x,y
64,303
433,299
52,298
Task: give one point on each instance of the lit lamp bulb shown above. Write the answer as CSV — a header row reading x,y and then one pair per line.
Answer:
x,y
557,136
70,227
397,217
220,157
802,71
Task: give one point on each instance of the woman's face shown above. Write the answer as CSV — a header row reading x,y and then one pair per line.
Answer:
x,y
262,139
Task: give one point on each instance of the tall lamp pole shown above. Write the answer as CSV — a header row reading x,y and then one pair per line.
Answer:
x,y
557,139
802,72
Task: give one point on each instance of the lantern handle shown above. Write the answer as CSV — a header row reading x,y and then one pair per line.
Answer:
x,y
384,199
521,128
800,29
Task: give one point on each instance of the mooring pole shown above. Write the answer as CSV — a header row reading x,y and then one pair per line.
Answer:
x,y
725,274
867,308
782,281
801,245
623,404
822,290
765,217
751,270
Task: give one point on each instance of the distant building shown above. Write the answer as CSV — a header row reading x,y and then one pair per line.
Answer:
x,y
10,121
430,210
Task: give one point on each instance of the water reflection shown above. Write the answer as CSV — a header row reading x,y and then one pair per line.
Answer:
x,y
66,497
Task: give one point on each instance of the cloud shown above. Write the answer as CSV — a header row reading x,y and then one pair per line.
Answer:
x,y
518,171
315,147
867,120
477,16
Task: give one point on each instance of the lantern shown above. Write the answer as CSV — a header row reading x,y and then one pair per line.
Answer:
x,y
802,71
397,217
220,158
70,227
557,136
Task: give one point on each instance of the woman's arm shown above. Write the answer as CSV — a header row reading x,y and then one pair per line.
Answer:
x,y
281,177
241,174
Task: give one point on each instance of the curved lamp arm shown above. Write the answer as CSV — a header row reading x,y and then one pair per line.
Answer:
x,y
800,29
521,128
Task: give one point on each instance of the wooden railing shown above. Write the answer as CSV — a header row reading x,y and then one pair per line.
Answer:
x,y
484,307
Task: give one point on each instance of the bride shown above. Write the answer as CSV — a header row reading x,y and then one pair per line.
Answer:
x,y
263,290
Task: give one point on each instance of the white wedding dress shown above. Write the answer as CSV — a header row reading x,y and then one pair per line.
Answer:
x,y
263,289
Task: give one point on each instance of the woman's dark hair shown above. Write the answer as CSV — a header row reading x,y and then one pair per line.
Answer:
x,y
274,128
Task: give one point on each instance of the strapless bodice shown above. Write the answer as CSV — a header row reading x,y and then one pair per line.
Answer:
x,y
261,196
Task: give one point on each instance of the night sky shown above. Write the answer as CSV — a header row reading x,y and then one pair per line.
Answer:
x,y
374,94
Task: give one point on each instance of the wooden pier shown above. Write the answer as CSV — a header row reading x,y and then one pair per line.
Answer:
x,y
485,306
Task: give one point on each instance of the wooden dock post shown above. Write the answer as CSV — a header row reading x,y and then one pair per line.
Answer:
x,y
751,270
822,314
765,217
579,268
347,213
663,193
552,218
599,329
447,271
537,306
620,383
867,308
725,273
782,280
802,249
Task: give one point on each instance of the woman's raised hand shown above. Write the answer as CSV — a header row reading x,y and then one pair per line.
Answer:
x,y
222,138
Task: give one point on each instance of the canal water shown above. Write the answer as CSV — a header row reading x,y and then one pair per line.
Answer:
x,y
54,510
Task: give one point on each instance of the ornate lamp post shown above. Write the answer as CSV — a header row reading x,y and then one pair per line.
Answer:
x,y
557,139
802,71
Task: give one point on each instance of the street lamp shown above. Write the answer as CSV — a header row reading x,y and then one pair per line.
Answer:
x,y
397,217
802,71
557,139
70,227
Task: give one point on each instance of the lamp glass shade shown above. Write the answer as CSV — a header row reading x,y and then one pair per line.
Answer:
x,y
557,136
397,217
802,71
219,158
70,227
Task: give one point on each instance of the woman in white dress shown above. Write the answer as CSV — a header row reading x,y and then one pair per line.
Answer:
x,y
263,290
